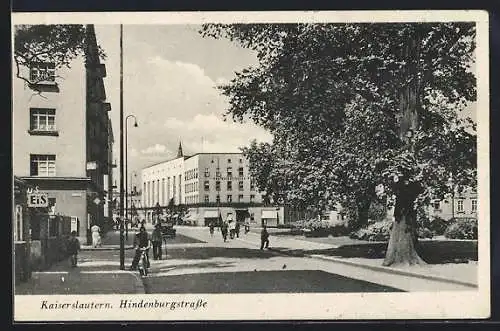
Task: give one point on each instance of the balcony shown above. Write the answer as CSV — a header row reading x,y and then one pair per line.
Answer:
x,y
98,109
106,106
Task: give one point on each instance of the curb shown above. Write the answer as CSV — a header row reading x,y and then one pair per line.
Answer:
x,y
105,248
382,269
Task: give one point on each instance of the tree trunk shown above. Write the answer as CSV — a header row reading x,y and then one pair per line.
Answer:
x,y
401,249
362,213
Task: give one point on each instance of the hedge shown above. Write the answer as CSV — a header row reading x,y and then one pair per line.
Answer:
x,y
465,228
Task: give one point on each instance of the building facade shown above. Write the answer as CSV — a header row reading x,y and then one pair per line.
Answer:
x,y
460,204
109,178
209,185
61,135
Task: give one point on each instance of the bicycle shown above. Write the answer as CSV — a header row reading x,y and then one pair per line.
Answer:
x,y
143,262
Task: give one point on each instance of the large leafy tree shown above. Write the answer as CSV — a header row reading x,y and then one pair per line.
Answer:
x,y
353,106
58,44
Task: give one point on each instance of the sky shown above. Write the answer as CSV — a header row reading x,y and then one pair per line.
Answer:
x,y
170,74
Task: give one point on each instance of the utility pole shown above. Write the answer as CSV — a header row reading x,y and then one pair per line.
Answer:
x,y
122,241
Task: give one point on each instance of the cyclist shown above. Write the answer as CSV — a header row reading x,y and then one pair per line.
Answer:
x,y
141,241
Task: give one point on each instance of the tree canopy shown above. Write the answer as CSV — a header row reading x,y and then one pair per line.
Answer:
x,y
353,106
58,44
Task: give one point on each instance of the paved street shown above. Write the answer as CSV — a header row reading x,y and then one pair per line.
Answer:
x,y
200,263
239,266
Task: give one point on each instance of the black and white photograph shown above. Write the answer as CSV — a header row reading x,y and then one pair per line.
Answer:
x,y
250,165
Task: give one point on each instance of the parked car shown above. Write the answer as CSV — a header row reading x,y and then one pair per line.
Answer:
x,y
167,229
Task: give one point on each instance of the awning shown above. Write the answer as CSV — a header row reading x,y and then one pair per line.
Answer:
x,y
269,214
211,214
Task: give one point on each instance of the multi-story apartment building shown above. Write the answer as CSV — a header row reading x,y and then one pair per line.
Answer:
x,y
61,135
209,185
460,204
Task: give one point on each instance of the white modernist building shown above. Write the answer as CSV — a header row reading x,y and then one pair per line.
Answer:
x,y
209,185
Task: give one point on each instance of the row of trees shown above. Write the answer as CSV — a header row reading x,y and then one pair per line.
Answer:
x,y
358,112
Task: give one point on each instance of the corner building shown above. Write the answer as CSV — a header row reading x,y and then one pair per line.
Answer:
x,y
61,135
209,185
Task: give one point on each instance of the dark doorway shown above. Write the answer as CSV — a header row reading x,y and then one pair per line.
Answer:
x,y
241,215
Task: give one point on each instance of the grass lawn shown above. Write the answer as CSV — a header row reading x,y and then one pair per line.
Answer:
x,y
432,251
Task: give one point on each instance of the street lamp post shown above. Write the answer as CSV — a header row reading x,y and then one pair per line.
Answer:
x,y
126,173
122,242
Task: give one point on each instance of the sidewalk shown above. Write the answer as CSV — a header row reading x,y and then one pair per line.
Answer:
x,y
459,273
98,272
111,241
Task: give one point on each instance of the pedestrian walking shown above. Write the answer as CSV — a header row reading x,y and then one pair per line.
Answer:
x,y
211,225
224,229
237,229
232,227
156,239
264,238
73,248
96,236
247,226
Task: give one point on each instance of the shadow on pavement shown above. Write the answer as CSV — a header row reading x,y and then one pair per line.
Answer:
x,y
77,283
290,281
193,266
197,253
433,252
182,239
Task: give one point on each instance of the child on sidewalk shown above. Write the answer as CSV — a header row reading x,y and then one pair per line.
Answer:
x,y
73,248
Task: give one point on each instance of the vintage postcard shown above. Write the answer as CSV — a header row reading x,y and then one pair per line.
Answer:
x,y
250,165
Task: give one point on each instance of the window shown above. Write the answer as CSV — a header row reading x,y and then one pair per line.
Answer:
x,y
473,205
217,198
217,185
43,165
252,197
436,205
207,172
228,160
229,172
43,72
240,172
206,185
460,206
217,172
207,198
240,185
252,185
229,198
229,185
240,198
241,160
42,119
